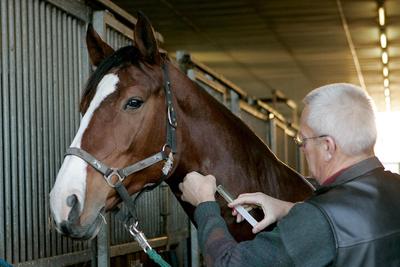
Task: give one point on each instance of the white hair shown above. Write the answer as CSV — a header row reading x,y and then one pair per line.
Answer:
x,y
346,113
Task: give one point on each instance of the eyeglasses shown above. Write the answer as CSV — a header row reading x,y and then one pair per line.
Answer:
x,y
301,142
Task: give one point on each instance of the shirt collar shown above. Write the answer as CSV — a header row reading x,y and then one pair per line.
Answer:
x,y
331,179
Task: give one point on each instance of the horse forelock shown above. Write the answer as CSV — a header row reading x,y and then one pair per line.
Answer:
x,y
121,57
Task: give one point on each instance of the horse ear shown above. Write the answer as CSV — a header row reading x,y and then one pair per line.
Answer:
x,y
97,48
145,39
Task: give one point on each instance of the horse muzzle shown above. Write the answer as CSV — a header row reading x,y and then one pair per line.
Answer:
x,y
80,232
72,227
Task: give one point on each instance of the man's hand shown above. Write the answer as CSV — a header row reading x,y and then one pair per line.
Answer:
x,y
197,188
274,209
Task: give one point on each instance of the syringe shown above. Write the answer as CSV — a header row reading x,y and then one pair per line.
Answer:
x,y
239,208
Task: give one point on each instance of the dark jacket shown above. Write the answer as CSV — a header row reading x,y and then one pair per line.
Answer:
x,y
363,209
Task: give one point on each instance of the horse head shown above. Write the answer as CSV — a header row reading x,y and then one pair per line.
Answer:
x,y
123,122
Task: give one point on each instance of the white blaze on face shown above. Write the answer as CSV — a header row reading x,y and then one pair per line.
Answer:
x,y
71,178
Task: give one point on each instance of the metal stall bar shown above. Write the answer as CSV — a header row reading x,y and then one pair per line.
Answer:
x,y
86,255
204,75
41,126
25,194
256,119
2,184
282,133
2,200
219,77
13,148
30,136
125,16
226,92
102,241
5,231
35,145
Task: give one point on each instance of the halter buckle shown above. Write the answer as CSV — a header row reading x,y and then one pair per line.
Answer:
x,y
108,177
171,116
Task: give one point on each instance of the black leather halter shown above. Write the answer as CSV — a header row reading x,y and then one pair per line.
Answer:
x,y
108,172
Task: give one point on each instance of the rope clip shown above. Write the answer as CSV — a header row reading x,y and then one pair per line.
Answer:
x,y
139,236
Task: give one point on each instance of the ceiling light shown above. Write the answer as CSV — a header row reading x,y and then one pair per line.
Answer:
x,y
385,57
381,12
385,71
386,82
387,101
386,92
383,40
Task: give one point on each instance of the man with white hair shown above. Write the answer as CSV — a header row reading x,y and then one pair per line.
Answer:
x,y
352,219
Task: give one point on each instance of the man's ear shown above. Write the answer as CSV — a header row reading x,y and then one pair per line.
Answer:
x,y
329,147
97,48
145,40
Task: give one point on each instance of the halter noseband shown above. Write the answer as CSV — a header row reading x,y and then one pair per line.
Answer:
x,y
108,172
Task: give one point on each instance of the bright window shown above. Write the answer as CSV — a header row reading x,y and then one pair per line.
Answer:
x,y
387,147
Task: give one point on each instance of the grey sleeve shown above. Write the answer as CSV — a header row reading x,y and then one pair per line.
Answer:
x,y
220,249
307,236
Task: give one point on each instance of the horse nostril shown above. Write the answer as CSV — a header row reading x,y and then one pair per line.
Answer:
x,y
73,202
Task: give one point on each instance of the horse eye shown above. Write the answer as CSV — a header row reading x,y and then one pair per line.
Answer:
x,y
133,103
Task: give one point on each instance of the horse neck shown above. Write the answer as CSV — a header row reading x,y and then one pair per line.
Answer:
x,y
212,140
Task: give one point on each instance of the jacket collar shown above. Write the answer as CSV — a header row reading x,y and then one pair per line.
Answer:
x,y
353,172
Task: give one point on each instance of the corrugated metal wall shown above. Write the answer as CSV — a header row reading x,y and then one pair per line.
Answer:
x,y
43,67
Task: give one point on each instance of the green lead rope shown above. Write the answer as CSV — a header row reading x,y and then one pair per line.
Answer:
x,y
157,258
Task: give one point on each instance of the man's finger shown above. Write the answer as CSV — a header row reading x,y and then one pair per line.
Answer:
x,y
262,224
243,200
234,212
180,186
239,218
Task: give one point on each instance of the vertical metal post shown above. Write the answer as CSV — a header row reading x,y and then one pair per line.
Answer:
x,y
103,252
93,250
103,248
272,135
234,107
5,206
286,146
183,58
99,24
165,203
194,246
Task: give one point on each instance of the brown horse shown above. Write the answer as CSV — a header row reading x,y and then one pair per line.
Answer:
x,y
125,114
